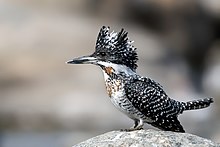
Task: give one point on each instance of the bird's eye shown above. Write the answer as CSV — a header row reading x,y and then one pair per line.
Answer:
x,y
102,54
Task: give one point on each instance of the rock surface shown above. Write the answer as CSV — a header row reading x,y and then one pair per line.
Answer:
x,y
147,138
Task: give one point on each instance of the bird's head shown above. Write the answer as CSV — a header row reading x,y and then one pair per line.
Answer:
x,y
111,48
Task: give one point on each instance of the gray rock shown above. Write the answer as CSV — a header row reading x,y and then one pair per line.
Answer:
x,y
147,138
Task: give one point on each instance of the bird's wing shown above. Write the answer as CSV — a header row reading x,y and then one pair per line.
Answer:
x,y
150,99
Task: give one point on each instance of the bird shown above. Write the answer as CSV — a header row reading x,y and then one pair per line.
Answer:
x,y
140,98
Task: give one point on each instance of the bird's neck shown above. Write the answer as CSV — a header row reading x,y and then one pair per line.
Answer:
x,y
112,69
115,76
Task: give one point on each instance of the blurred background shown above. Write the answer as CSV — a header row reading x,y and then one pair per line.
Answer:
x,y
45,102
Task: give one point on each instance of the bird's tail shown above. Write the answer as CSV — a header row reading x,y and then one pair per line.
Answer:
x,y
197,104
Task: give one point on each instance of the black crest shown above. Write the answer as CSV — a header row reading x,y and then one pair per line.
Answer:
x,y
116,48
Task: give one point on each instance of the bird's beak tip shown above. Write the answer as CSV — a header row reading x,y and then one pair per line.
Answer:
x,y
69,62
82,60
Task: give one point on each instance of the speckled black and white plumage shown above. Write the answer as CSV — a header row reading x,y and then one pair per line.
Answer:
x,y
117,48
140,98
150,99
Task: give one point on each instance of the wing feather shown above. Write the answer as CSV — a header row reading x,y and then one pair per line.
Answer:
x,y
150,99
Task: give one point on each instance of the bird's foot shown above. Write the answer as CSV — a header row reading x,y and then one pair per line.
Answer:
x,y
131,129
138,125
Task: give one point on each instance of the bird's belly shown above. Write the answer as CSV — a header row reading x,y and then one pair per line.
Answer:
x,y
115,90
120,101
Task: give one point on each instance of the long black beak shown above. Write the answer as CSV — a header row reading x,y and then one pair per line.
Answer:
x,y
83,60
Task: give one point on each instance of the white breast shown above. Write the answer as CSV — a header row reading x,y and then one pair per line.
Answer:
x,y
118,98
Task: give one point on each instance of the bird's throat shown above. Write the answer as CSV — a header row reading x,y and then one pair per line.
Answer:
x,y
108,70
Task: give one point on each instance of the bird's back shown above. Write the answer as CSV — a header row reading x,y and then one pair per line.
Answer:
x,y
150,99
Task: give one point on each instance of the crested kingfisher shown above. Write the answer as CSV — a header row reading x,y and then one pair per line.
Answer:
x,y
140,98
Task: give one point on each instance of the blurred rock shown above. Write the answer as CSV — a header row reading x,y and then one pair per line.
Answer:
x,y
147,138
